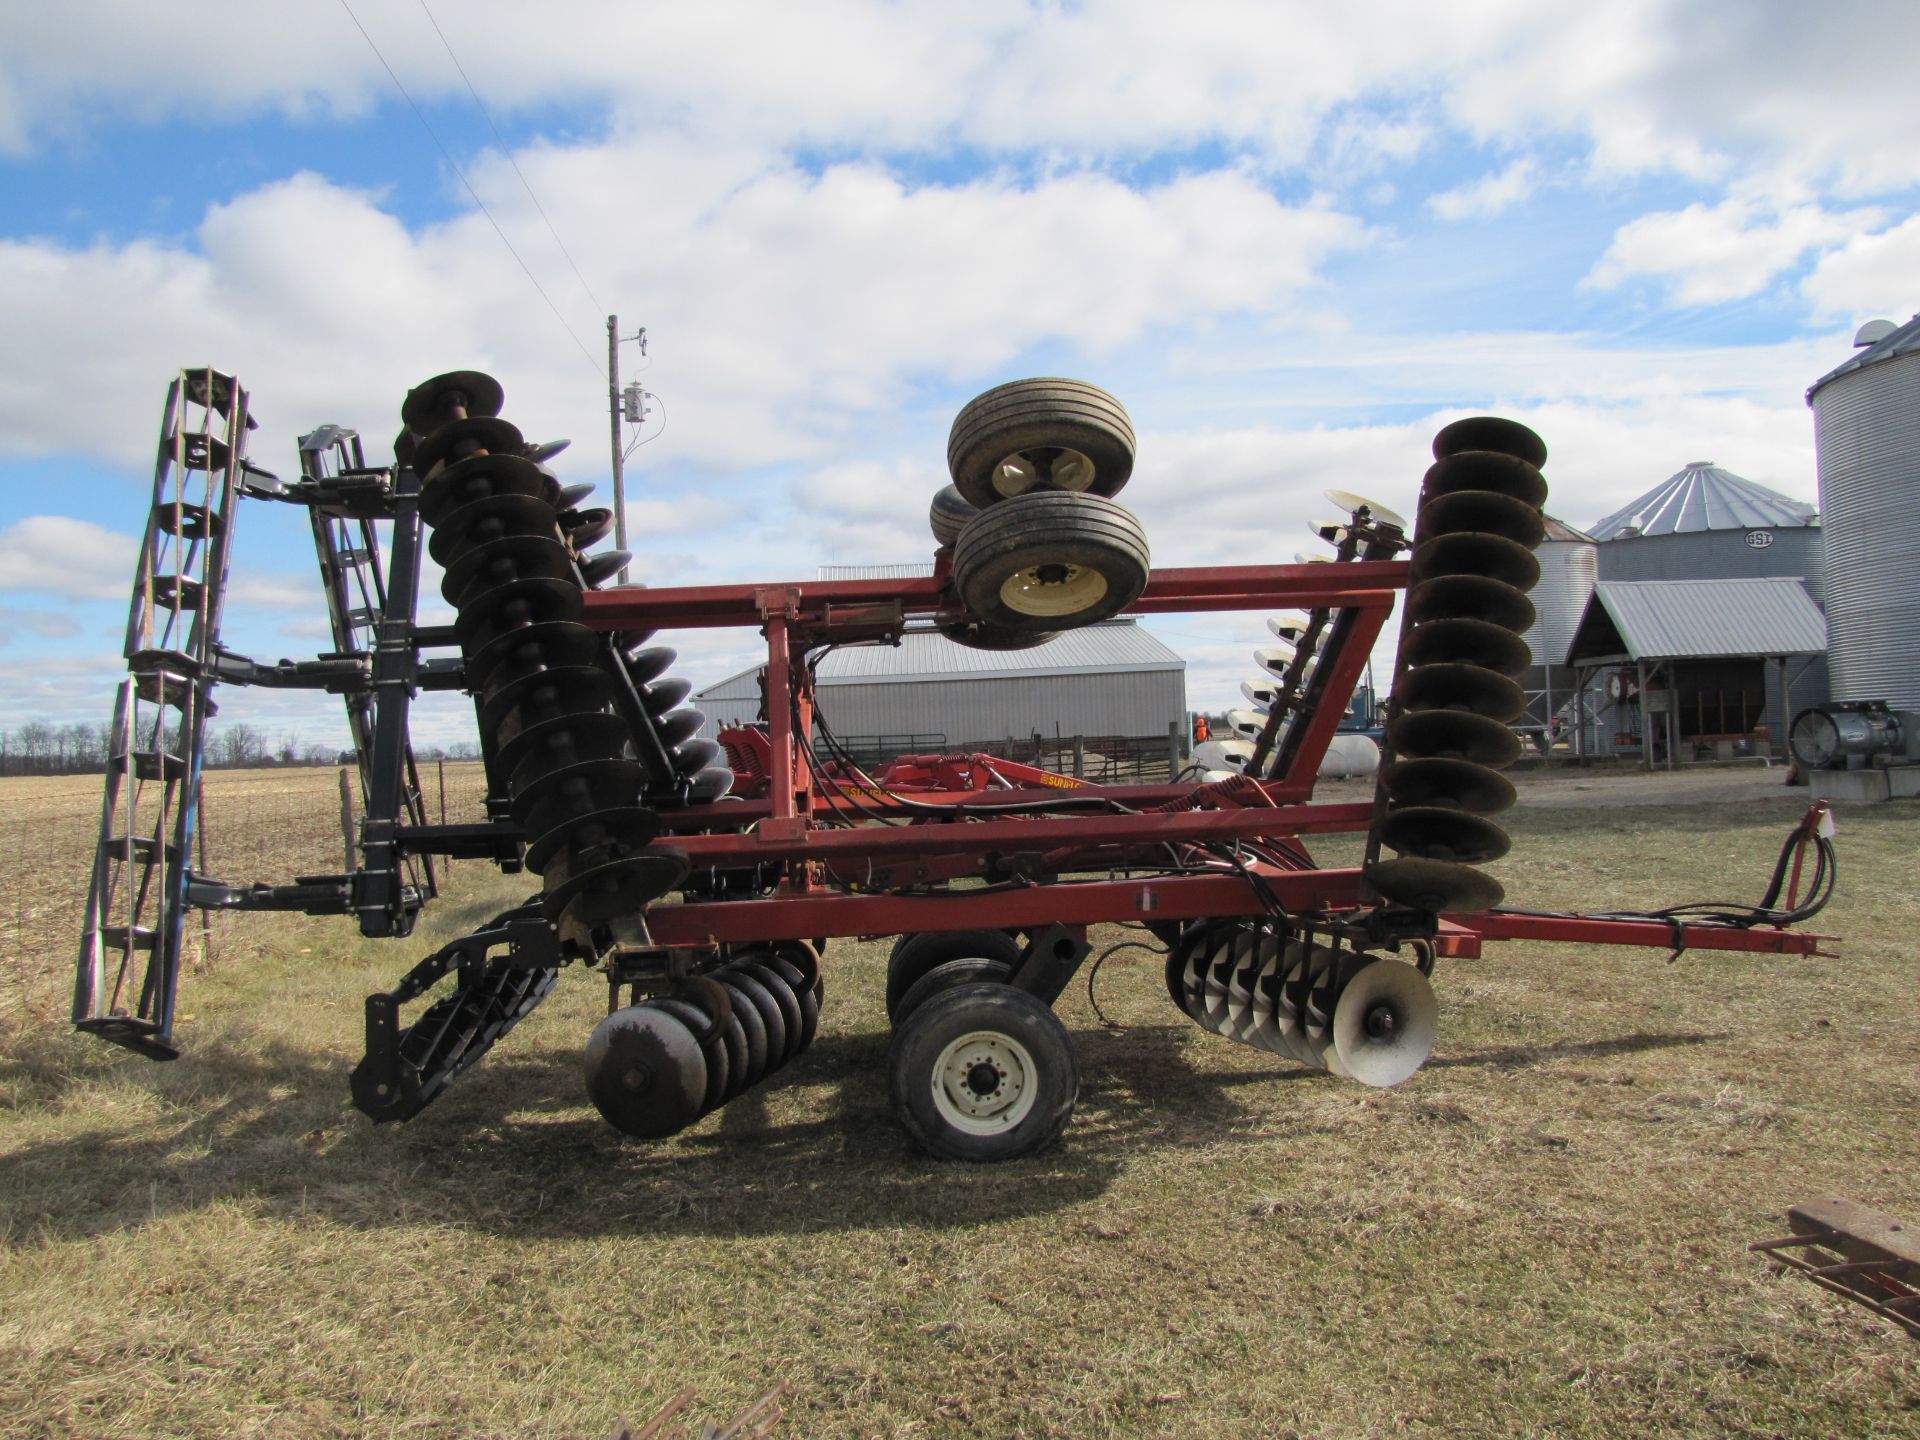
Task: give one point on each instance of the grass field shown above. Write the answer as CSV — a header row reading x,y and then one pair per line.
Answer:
x,y
1544,1233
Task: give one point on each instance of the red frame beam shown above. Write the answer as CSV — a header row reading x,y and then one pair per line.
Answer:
x,y
1580,929
781,829
1022,836
1362,583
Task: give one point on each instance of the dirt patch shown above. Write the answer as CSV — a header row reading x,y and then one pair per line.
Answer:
x,y
1577,788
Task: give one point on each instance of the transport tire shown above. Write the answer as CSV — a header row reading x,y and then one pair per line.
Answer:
x,y
949,512
915,955
983,1073
950,976
978,636
1050,562
1043,434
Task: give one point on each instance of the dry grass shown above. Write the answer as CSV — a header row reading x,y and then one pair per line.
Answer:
x,y
1543,1233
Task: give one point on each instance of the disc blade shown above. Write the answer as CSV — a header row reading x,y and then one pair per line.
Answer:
x,y
678,726
1466,553
529,697
709,785
616,889
503,609
1437,886
1474,597
1485,470
1490,433
1276,660
603,567
645,1072
1485,511
563,740
662,695
432,403
526,651
1246,723
690,757
646,666
1384,1023
462,439
629,826
588,528
1353,504
1455,734
1459,687
489,518
1289,625
1467,642
1432,832
512,557
464,481
1228,754
585,789
1457,784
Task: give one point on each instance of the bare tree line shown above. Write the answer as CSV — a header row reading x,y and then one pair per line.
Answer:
x,y
39,748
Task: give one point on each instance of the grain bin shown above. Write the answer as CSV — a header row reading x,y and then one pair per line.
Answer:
x,y
1866,416
1568,566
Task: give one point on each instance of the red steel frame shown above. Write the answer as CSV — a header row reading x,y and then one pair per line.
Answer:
x,y
821,865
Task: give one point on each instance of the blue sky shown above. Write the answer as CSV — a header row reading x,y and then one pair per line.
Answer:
x,y
1293,242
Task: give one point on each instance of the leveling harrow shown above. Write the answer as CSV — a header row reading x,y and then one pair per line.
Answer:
x,y
600,782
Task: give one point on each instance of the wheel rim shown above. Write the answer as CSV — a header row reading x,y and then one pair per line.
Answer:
x,y
1059,467
983,1083
1053,588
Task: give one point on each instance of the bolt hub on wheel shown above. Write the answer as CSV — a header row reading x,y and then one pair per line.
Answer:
x,y
982,1083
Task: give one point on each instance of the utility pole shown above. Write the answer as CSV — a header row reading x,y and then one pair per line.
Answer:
x,y
613,419
629,406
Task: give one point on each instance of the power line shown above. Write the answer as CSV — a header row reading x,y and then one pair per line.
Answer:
x,y
420,115
507,151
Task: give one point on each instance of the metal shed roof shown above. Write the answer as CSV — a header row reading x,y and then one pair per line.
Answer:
x,y
1112,647
1904,341
1698,620
1559,530
1702,496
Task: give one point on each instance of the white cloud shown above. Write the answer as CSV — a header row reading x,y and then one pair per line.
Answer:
x,y
41,624
793,307
1870,275
1668,85
1488,195
255,591
1714,253
1702,90
73,559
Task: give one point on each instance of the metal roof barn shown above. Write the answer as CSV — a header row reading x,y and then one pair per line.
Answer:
x,y
1698,620
1109,679
1699,653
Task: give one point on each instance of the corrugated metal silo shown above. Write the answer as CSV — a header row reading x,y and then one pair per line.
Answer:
x,y
1866,416
1569,565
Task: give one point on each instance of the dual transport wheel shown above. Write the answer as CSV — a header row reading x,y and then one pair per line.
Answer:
x,y
1038,544
982,1072
978,1070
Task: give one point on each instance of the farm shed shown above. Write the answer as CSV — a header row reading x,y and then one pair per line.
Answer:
x,y
1111,679
1686,661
